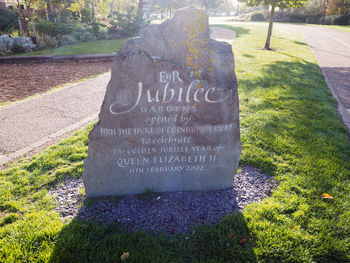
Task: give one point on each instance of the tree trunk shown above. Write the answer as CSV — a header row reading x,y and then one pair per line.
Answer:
x,y
269,33
140,5
93,10
49,7
25,27
47,13
34,36
58,15
111,7
326,3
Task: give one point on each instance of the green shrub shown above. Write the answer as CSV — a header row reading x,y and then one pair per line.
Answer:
x,y
342,20
52,29
257,16
84,34
78,35
67,40
297,18
128,24
102,35
47,42
289,16
330,20
11,45
86,15
8,21
46,28
87,36
95,28
17,47
4,51
314,19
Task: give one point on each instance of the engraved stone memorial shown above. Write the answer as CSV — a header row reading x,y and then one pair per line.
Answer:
x,y
170,117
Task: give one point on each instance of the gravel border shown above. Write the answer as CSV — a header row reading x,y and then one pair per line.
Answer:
x,y
171,212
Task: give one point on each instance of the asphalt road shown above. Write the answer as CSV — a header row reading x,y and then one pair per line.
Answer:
x,y
332,51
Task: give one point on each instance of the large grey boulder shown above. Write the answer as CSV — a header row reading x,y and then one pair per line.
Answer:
x,y
170,117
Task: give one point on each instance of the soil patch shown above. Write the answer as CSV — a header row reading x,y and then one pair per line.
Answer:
x,y
18,81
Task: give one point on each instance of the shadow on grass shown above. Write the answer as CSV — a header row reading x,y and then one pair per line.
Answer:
x,y
295,41
81,241
248,56
293,115
291,129
300,43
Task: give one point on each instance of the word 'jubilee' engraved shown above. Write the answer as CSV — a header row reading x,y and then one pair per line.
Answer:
x,y
169,94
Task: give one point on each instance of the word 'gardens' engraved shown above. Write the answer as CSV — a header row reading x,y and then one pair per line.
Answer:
x,y
169,120
168,94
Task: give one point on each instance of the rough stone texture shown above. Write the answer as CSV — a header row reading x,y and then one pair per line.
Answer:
x,y
170,117
171,212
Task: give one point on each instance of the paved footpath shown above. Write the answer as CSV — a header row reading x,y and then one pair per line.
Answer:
x,y
35,122
332,51
32,123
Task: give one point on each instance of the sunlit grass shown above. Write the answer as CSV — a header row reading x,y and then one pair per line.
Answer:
x,y
290,129
84,48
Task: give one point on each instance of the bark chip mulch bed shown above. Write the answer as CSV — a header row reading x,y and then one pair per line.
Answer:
x,y
18,81
171,212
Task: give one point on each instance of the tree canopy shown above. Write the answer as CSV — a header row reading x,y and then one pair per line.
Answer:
x,y
211,4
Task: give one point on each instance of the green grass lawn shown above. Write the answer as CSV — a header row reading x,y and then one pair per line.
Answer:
x,y
342,28
92,47
290,129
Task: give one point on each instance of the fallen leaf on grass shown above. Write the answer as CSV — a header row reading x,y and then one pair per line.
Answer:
x,y
243,240
165,245
326,196
124,256
229,235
